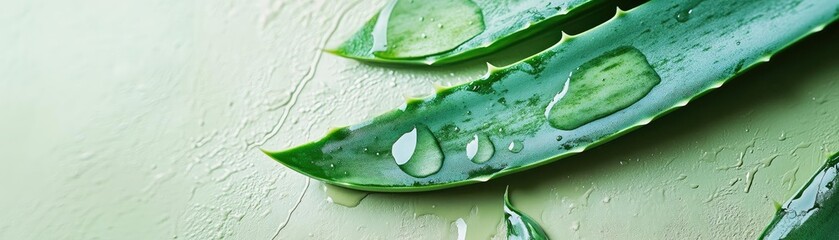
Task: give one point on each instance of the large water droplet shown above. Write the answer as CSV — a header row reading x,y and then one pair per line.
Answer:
x,y
380,29
480,149
602,86
417,152
515,146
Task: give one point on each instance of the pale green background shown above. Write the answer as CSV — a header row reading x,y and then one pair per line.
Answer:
x,y
142,120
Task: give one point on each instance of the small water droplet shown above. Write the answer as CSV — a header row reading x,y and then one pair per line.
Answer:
x,y
575,226
684,15
439,25
559,138
607,200
480,149
417,152
343,196
422,19
694,186
515,146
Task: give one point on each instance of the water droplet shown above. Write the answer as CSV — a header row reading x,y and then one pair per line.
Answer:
x,y
380,29
461,229
344,196
422,19
439,25
607,200
417,152
694,186
515,146
480,149
602,86
559,138
684,15
575,226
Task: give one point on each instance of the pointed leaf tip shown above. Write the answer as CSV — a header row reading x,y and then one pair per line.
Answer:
x,y
519,225
491,68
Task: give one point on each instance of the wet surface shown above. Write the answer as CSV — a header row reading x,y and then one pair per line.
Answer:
x,y
153,130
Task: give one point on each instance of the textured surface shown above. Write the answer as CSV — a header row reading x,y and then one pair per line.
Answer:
x,y
138,120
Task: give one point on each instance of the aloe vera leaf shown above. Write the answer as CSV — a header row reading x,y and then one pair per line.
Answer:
x,y
510,105
812,213
436,32
519,225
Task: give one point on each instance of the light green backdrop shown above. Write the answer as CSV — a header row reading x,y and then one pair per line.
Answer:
x,y
141,120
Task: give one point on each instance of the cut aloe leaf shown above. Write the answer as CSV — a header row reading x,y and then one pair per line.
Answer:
x,y
519,225
584,91
444,31
814,212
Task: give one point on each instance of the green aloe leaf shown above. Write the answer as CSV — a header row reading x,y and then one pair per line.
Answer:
x,y
812,213
445,31
584,91
519,225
